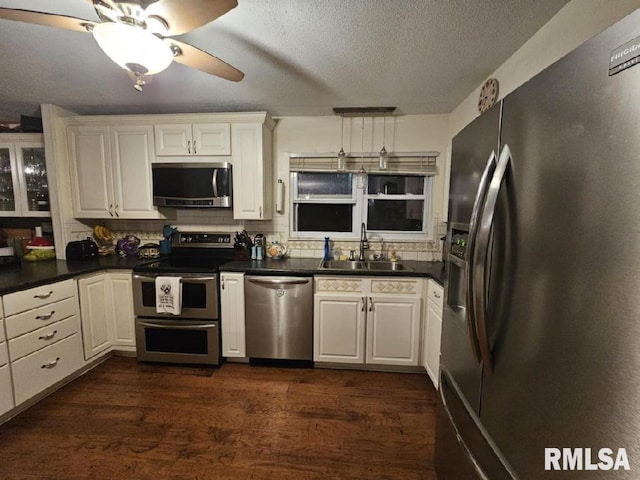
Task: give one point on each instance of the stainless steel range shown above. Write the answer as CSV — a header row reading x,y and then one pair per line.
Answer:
x,y
193,335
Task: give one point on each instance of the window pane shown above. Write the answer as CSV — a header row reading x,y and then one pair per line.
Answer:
x,y
395,184
314,184
405,215
319,217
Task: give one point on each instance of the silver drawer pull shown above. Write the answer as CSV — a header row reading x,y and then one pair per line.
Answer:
x,y
46,317
48,336
42,296
51,364
370,304
436,295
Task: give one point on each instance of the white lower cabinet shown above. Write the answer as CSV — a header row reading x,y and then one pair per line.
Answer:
x,y
43,339
362,320
38,371
432,331
106,307
6,388
232,314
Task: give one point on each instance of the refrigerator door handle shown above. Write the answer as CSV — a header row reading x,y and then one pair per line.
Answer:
x,y
480,260
476,213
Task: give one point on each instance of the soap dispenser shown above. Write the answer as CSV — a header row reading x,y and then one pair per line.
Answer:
x,y
327,250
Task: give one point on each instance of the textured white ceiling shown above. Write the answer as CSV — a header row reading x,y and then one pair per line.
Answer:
x,y
300,57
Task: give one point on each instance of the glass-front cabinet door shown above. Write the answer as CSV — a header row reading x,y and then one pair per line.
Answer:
x,y
34,171
8,180
24,191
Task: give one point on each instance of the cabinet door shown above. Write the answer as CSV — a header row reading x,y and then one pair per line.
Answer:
x,y
9,186
132,153
393,330
90,152
121,299
432,334
232,314
339,328
173,139
96,311
248,173
32,175
6,390
211,139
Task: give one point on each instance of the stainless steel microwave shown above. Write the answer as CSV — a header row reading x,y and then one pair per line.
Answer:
x,y
189,185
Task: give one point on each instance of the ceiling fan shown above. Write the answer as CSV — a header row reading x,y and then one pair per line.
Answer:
x,y
135,34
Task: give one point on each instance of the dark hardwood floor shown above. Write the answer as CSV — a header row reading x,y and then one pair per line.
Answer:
x,y
130,421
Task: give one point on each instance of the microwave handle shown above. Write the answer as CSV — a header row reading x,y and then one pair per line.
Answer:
x,y
214,182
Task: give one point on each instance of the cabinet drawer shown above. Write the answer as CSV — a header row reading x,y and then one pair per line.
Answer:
x,y
4,356
333,285
396,286
33,319
6,392
435,294
35,297
36,372
31,342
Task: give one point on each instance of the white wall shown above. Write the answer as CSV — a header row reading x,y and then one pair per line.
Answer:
x,y
575,23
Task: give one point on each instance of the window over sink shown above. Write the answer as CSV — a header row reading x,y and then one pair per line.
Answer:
x,y
394,206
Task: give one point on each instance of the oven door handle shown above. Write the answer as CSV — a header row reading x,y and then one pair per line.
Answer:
x,y
185,279
177,326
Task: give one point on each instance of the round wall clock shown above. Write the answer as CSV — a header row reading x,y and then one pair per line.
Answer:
x,y
488,95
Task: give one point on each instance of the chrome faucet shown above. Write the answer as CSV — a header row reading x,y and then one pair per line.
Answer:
x,y
364,243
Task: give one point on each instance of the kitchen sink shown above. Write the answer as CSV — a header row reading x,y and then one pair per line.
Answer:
x,y
388,266
342,265
356,265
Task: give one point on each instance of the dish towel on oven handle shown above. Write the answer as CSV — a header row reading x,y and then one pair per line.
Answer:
x,y
169,295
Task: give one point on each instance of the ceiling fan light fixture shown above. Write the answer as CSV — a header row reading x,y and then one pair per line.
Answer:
x,y
127,45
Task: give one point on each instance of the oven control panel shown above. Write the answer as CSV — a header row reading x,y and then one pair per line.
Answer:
x,y
199,239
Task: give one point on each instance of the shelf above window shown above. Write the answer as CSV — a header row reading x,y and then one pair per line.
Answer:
x,y
407,163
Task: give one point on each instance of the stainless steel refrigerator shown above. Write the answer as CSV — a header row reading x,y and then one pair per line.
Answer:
x,y
541,327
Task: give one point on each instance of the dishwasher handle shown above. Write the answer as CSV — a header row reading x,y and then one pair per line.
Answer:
x,y
276,281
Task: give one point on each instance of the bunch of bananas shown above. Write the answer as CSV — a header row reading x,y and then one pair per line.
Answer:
x,y
102,234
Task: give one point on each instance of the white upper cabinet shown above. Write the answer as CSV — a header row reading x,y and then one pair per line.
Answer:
x,y
252,171
111,171
24,191
193,139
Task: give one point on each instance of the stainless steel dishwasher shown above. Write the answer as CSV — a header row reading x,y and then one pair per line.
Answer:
x,y
279,317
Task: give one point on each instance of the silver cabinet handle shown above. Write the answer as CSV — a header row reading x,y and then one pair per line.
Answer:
x,y
189,146
48,336
476,213
364,303
481,257
51,364
222,283
260,212
45,317
110,209
370,304
435,294
194,148
42,296
116,210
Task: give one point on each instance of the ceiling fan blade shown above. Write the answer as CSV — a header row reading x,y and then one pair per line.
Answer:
x,y
48,19
184,16
195,58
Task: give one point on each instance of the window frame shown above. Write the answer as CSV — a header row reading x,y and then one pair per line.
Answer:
x,y
359,202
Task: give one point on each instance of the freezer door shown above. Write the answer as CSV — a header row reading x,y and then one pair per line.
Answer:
x,y
470,150
564,326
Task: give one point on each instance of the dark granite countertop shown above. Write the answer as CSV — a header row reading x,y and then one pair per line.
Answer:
x,y
309,266
31,274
